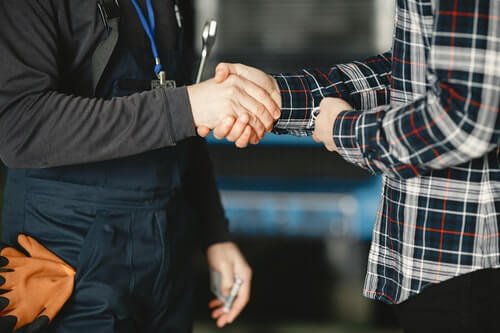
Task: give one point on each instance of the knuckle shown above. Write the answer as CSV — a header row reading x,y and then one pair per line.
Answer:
x,y
233,79
232,90
261,110
256,122
262,95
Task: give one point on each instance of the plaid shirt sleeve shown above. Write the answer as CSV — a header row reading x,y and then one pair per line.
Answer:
x,y
365,84
455,121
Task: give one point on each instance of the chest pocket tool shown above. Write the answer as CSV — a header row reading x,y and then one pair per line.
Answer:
x,y
110,14
208,37
149,26
34,286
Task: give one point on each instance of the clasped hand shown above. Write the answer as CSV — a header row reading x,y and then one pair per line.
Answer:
x,y
242,103
234,106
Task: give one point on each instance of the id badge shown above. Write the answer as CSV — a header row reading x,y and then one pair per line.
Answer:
x,y
169,84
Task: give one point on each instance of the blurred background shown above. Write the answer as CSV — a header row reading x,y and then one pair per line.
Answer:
x,y
302,216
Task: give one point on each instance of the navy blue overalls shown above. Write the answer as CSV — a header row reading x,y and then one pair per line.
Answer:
x,y
124,225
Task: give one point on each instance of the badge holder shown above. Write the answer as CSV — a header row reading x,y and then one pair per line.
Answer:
x,y
162,82
149,25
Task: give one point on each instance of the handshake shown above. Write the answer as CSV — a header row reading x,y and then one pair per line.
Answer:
x,y
243,103
240,104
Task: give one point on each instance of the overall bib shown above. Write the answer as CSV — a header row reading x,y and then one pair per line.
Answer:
x,y
124,225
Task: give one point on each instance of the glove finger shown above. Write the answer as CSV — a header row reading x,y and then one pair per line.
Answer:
x,y
3,261
37,324
11,252
3,304
12,280
35,249
7,324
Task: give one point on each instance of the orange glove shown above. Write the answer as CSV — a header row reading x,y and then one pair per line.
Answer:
x,y
35,287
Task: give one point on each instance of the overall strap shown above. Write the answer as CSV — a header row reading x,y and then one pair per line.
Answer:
x,y
110,14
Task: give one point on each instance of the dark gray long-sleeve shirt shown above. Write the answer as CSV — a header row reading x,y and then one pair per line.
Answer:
x,y
48,116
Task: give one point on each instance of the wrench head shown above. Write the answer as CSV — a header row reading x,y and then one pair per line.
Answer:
x,y
209,34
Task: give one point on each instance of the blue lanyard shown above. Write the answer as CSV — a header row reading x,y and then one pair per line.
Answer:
x,y
150,29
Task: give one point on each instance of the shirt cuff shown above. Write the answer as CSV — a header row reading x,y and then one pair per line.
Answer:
x,y
345,137
297,106
180,114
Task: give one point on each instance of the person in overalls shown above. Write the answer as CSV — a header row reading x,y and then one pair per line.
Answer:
x,y
104,166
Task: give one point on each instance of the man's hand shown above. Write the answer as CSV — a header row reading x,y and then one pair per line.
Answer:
x,y
329,110
236,97
232,129
263,80
227,259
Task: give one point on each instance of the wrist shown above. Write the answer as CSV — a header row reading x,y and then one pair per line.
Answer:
x,y
276,93
191,92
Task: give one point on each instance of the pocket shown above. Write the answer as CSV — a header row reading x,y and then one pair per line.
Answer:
x,y
105,252
60,227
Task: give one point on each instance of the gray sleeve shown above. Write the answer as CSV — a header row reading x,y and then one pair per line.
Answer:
x,y
41,127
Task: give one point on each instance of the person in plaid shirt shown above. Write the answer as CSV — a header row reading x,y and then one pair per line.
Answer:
x,y
425,117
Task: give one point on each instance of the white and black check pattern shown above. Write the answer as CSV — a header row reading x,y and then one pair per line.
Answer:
x,y
426,117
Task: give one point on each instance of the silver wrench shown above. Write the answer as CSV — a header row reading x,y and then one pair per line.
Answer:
x,y
208,40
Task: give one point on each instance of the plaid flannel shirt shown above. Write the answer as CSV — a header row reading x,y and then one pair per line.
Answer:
x,y
426,118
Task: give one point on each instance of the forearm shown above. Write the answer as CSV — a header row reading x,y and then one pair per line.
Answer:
x,y
364,85
412,139
52,129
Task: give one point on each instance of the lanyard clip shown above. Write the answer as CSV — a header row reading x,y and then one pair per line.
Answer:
x,y
162,77
162,82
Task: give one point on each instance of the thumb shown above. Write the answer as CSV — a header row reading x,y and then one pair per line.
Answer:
x,y
227,273
222,72
35,249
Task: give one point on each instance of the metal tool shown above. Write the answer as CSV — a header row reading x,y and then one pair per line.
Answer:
x,y
208,40
228,304
215,287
